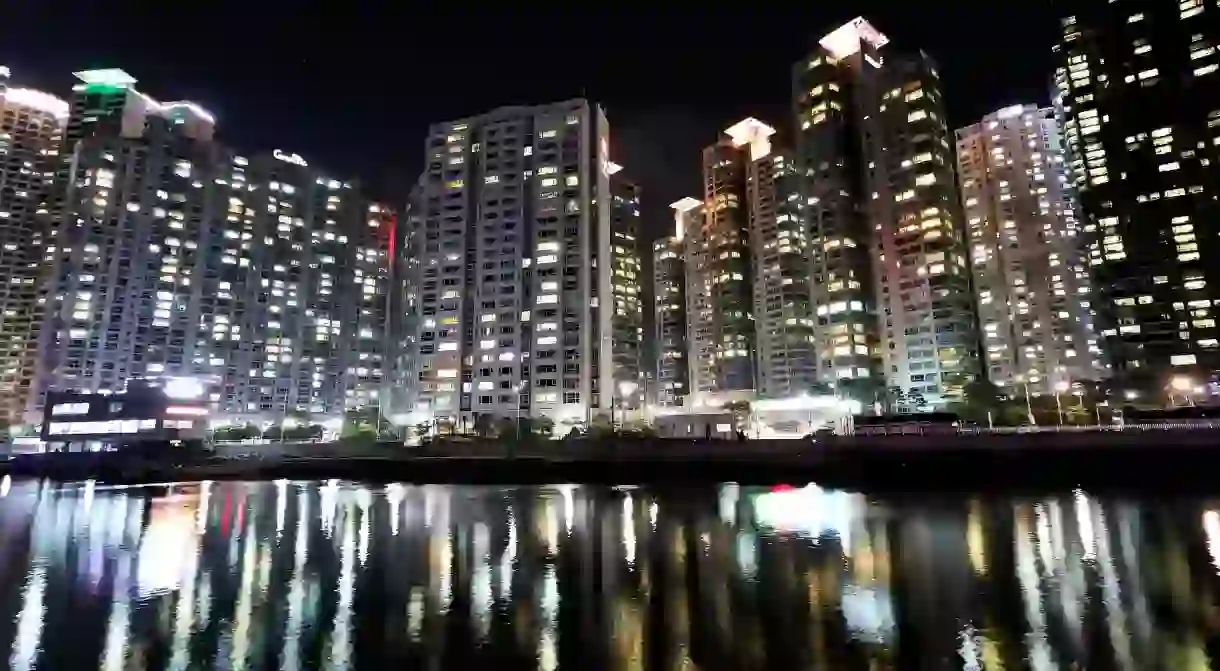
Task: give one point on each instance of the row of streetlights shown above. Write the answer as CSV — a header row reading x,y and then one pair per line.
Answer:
x,y
1180,384
1060,387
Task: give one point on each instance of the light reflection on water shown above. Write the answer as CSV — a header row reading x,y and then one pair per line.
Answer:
x,y
296,575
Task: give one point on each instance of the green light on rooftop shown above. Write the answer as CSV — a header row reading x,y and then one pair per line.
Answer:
x,y
98,88
106,79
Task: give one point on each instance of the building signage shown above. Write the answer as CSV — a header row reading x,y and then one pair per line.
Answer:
x,y
70,409
294,159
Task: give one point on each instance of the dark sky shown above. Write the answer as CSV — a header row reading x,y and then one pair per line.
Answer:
x,y
354,90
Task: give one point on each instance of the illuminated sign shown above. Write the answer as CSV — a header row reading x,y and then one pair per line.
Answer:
x,y
183,388
70,409
103,427
186,410
294,159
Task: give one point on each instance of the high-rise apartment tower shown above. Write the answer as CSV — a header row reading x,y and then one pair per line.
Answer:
x,y
1138,88
779,264
513,282
31,129
720,281
627,321
891,280
1027,254
669,295
172,256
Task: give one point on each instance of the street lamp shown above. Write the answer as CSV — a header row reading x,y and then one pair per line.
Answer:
x,y
1029,407
1183,385
517,390
1060,387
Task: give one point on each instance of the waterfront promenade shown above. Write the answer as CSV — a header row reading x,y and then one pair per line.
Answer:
x,y
1172,458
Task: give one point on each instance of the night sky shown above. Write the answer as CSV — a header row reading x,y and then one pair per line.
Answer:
x,y
354,90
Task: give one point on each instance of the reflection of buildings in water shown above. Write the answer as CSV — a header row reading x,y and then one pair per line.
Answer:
x,y
624,578
1116,573
81,559
104,523
30,621
281,567
169,545
932,581
811,577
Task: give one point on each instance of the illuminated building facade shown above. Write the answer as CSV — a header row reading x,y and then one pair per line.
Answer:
x,y
745,247
1138,90
779,248
1030,274
669,295
403,320
173,256
891,282
513,287
700,336
759,577
31,129
85,422
720,278
627,321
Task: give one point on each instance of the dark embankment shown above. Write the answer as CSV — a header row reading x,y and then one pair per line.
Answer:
x,y
1164,460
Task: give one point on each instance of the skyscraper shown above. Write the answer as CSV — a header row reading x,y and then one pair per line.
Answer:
x,y
514,287
722,324
173,256
1137,88
404,316
1027,255
627,321
779,252
669,295
745,255
891,283
31,129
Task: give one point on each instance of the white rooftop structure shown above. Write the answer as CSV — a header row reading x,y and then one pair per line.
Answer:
x,y
106,77
44,102
681,207
847,38
753,132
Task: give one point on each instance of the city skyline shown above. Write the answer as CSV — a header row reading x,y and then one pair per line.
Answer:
x,y
664,104
863,243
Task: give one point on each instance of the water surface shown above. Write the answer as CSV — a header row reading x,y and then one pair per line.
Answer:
x,y
300,575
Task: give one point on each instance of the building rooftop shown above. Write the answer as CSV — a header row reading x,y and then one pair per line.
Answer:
x,y
44,102
847,38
